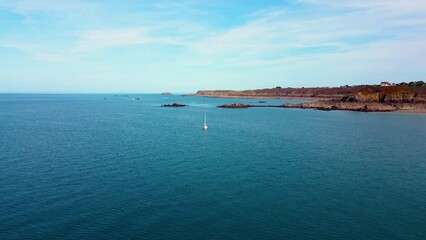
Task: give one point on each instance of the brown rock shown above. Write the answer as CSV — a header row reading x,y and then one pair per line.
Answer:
x,y
235,105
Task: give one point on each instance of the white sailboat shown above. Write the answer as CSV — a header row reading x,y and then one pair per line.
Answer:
x,y
205,122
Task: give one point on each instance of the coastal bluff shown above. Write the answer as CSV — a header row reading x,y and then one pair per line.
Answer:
x,y
365,98
367,93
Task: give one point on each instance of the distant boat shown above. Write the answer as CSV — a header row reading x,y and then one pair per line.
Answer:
x,y
205,122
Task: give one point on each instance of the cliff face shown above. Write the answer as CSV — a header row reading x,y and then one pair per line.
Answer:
x,y
391,94
281,93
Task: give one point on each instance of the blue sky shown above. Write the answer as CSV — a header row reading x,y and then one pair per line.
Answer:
x,y
184,46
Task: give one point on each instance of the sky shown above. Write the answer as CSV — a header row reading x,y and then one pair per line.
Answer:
x,y
98,46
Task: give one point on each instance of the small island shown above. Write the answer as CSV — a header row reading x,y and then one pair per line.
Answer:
x,y
166,93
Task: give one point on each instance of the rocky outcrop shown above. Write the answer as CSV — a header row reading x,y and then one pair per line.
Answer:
x,y
399,97
349,106
367,95
360,106
235,105
346,106
174,105
386,95
420,97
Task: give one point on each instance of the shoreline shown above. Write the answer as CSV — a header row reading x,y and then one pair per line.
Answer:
x,y
327,104
363,108
363,98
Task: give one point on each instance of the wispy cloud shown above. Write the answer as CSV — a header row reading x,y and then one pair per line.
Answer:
x,y
277,37
402,6
122,37
268,34
38,52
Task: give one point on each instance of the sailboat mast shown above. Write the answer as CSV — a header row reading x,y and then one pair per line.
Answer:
x,y
205,122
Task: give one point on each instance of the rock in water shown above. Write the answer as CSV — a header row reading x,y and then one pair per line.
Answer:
x,y
174,105
235,105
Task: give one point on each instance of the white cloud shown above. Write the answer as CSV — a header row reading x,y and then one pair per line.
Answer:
x,y
276,37
123,37
38,52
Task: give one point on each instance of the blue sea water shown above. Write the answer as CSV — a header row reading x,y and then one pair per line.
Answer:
x,y
81,167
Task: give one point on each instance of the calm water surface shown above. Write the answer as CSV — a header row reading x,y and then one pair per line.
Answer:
x,y
81,167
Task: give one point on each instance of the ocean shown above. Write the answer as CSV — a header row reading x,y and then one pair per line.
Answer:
x,y
85,167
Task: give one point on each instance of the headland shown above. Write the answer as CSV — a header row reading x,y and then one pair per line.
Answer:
x,y
404,97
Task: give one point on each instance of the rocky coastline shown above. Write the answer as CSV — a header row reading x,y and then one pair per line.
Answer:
x,y
358,98
361,106
346,106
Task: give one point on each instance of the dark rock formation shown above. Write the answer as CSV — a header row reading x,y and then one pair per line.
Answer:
x,y
330,105
174,105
